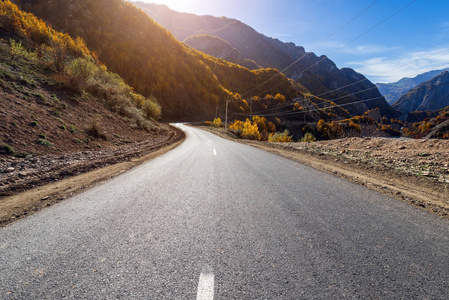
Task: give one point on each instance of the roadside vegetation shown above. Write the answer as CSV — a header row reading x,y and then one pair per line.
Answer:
x,y
57,95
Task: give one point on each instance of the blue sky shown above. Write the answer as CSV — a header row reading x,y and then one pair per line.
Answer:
x,y
414,41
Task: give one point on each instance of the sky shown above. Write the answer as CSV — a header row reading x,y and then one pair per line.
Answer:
x,y
385,40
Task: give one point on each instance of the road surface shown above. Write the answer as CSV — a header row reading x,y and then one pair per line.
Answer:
x,y
214,219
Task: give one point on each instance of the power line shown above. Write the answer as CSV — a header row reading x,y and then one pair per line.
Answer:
x,y
342,105
348,43
353,18
305,54
345,96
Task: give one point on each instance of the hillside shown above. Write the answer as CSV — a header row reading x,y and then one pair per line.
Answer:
x,y
393,91
57,98
318,74
147,56
430,95
219,48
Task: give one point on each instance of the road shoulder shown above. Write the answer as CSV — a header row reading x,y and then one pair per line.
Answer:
x,y
421,191
23,203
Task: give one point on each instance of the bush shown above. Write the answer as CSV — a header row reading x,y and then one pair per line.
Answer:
x,y
95,129
261,123
6,149
354,126
250,131
18,51
308,137
217,122
43,142
237,126
280,137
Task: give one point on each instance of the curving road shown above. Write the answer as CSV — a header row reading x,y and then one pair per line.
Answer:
x,y
214,219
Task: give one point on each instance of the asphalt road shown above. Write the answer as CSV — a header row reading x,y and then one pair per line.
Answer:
x,y
217,219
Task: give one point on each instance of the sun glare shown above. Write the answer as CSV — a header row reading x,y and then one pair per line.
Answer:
x,y
183,5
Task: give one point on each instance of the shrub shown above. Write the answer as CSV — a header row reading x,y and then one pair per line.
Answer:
x,y
250,131
354,126
6,149
34,124
151,108
208,123
280,137
261,123
43,142
95,129
18,51
217,122
271,127
280,98
308,137
237,126
42,136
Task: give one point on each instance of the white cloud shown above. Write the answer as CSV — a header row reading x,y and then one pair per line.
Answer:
x,y
405,64
367,50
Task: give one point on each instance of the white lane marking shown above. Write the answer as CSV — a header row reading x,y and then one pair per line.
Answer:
x,y
215,152
205,287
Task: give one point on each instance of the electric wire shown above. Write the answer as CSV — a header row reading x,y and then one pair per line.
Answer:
x,y
320,109
307,53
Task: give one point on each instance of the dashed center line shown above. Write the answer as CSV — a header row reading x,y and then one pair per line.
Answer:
x,y
205,287
215,152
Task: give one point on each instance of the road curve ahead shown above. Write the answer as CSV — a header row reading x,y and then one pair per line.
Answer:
x,y
214,219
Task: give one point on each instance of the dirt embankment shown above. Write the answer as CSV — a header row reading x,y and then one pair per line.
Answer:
x,y
29,184
414,171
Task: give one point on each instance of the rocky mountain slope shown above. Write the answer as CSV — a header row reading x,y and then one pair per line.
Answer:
x,y
430,95
219,48
393,91
57,98
318,74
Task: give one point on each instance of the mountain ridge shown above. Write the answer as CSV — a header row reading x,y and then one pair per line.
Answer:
x,y
318,74
393,91
428,96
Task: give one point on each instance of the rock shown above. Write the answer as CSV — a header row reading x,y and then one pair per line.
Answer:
x,y
402,147
10,169
45,198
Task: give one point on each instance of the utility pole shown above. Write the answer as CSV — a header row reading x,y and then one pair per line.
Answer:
x,y
226,118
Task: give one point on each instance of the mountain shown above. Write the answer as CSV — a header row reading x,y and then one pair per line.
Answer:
x,y
153,62
318,74
392,91
430,95
219,48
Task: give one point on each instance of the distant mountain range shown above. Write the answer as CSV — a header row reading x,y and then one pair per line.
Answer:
x,y
393,91
427,96
237,42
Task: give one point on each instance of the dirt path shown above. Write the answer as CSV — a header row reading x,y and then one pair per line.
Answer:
x,y
63,178
414,171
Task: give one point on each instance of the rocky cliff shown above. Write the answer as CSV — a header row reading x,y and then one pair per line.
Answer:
x,y
430,95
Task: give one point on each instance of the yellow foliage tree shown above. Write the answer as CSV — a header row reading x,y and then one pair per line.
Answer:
x,y
250,131
217,122
280,98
